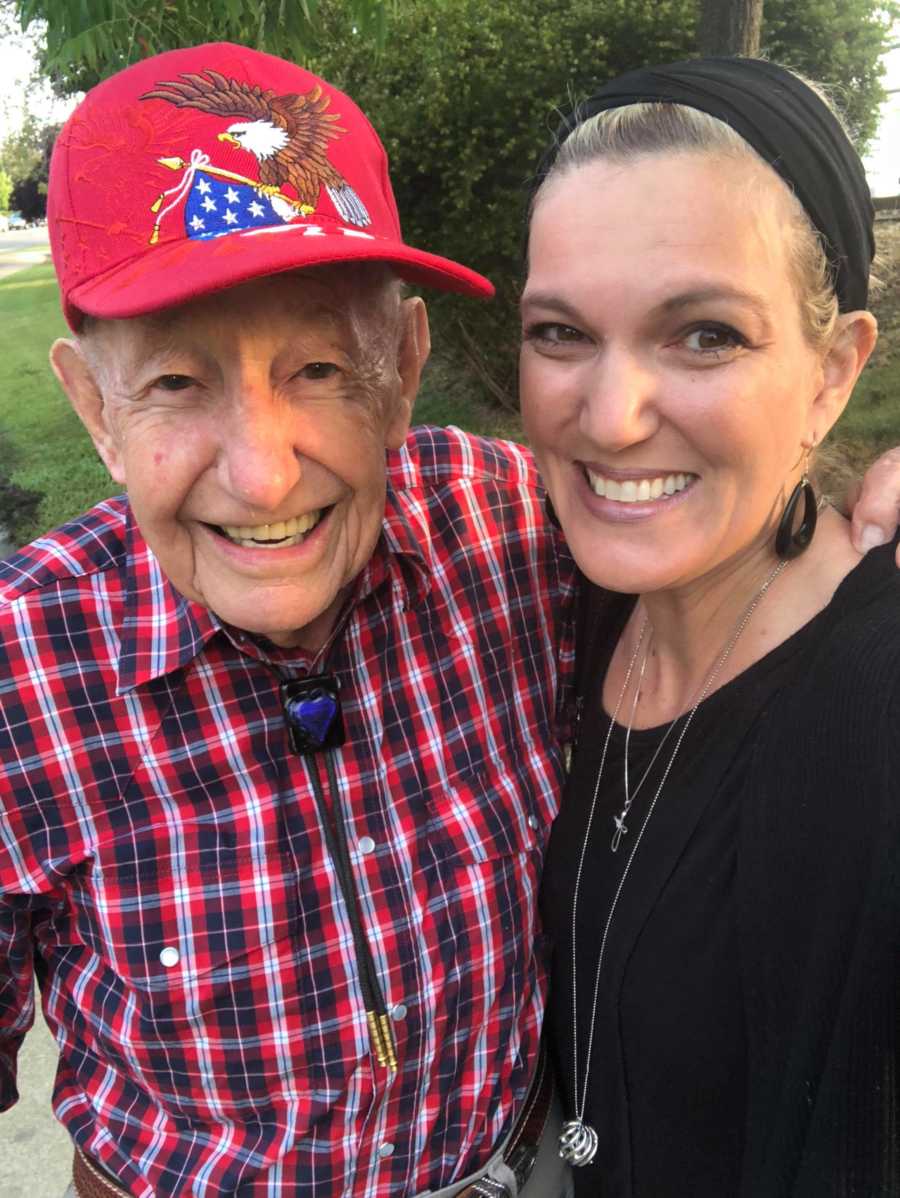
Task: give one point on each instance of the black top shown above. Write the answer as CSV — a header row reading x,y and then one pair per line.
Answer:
x,y
679,1019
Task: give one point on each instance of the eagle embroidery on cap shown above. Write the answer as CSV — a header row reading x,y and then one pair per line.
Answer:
x,y
287,135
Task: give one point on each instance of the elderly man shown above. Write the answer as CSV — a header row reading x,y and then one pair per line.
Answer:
x,y
278,749
279,732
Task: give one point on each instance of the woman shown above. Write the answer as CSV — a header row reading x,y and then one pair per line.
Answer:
x,y
721,889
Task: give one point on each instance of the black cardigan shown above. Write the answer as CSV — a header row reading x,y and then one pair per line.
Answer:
x,y
819,910
818,904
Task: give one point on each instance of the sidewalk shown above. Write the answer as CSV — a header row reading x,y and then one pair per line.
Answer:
x,y
35,1151
10,262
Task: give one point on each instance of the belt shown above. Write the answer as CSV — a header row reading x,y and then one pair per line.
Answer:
x,y
521,1149
91,1182
518,1154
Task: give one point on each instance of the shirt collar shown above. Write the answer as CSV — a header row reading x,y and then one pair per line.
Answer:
x,y
163,631
403,552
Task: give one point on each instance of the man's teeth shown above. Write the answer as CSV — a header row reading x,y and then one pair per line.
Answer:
x,y
638,490
272,536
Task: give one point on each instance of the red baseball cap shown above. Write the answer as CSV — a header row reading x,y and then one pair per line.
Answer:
x,y
202,168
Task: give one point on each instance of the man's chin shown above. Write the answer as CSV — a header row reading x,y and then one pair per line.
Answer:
x,y
288,625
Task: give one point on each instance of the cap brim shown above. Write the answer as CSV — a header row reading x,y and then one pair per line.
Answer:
x,y
176,272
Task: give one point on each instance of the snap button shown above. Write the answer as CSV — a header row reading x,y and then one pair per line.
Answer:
x,y
533,823
398,1011
385,1149
366,844
169,956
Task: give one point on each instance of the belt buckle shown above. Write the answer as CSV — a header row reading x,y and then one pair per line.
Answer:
x,y
521,1161
487,1187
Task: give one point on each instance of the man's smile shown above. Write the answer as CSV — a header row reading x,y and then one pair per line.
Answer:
x,y
281,534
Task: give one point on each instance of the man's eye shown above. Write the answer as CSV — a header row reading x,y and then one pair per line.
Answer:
x,y
174,382
713,339
318,370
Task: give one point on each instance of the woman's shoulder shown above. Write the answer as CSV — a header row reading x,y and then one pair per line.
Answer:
x,y
857,641
832,728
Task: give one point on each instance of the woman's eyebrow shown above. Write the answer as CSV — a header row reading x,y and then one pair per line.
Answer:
x,y
551,301
705,295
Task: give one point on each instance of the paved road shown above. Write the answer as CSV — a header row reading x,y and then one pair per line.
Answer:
x,y
35,1156
20,248
35,1152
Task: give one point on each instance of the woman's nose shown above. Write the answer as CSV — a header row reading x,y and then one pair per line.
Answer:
x,y
619,405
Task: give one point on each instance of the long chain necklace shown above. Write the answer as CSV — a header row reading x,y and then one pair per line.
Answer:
x,y
578,1141
621,828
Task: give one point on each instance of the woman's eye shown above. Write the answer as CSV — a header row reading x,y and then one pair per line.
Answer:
x,y
173,382
713,339
549,333
317,370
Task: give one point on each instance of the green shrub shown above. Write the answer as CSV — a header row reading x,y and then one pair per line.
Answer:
x,y
466,93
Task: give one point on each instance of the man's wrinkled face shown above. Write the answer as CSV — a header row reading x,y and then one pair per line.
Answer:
x,y
250,430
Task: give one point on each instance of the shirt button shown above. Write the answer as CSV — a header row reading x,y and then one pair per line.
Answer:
x,y
386,1149
366,844
398,1011
533,823
169,957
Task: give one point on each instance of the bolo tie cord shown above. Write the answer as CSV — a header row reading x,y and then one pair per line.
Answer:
x,y
381,1034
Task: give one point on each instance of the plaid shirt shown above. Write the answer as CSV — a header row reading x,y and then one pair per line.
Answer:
x,y
163,869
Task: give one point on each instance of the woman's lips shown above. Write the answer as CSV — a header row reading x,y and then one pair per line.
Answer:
x,y
631,496
640,487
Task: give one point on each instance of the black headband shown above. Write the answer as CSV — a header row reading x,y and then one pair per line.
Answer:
x,y
788,126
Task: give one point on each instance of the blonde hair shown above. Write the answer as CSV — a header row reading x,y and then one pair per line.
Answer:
x,y
620,135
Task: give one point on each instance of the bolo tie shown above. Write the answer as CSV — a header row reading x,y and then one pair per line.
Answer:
x,y
315,725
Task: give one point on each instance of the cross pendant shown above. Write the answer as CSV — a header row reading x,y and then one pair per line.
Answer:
x,y
621,830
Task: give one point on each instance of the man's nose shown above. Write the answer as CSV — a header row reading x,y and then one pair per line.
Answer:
x,y
258,459
619,407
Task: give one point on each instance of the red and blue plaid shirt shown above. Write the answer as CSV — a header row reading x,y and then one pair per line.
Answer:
x,y
164,872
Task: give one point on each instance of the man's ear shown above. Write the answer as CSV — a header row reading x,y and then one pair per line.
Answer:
x,y
76,378
851,344
415,346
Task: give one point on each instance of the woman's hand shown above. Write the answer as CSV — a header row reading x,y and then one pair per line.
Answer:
x,y
875,504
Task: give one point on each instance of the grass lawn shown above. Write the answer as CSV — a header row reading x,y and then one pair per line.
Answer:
x,y
43,447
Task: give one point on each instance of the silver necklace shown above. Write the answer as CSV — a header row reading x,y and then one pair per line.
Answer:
x,y
578,1141
621,828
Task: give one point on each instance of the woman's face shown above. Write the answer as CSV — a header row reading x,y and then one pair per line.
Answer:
x,y
667,386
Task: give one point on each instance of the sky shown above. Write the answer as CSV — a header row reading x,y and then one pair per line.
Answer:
x,y
16,71
883,161
17,66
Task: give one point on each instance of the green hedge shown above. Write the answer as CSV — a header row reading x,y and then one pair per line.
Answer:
x,y
466,93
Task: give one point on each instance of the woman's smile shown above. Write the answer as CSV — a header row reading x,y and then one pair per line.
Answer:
x,y
667,384
624,496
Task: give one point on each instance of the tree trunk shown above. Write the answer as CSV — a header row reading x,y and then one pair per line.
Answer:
x,y
730,27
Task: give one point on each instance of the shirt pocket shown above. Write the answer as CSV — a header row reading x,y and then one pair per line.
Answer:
x,y
190,978
480,857
481,815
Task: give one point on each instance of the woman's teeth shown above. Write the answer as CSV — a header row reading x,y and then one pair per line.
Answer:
x,y
638,490
272,536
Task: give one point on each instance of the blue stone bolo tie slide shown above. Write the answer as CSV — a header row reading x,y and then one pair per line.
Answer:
x,y
312,712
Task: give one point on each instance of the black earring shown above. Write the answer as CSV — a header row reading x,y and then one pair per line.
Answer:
x,y
791,541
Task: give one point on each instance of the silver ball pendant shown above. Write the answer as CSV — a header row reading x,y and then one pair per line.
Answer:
x,y
577,1143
